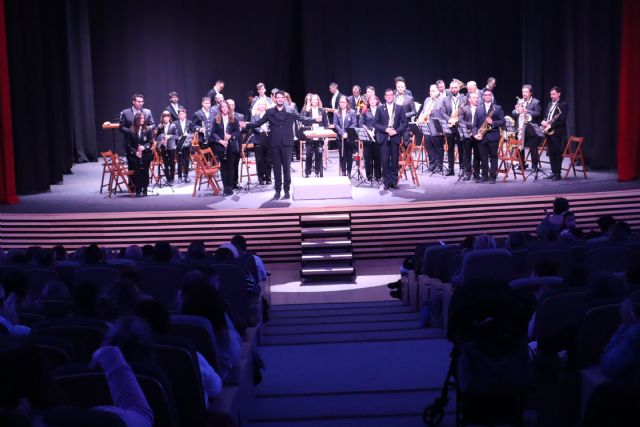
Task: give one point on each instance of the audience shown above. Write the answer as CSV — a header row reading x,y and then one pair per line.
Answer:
x,y
551,226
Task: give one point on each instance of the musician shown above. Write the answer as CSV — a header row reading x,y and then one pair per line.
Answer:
x,y
166,137
491,85
261,143
335,95
203,122
289,102
390,123
239,117
526,134
184,129
281,121
556,120
215,106
174,105
372,165
217,88
127,115
442,88
400,79
262,90
224,137
343,119
405,100
472,87
432,110
467,116
492,115
451,104
313,147
355,97
370,90
138,141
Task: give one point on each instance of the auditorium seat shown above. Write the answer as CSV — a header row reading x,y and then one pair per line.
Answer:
x,y
558,317
162,282
55,351
486,265
54,309
101,275
233,287
198,331
559,257
611,259
598,326
86,335
67,270
30,319
527,286
37,278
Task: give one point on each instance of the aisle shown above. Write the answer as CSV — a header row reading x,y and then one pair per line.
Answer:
x,y
348,364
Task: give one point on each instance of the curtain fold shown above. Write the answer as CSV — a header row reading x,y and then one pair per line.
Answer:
x,y
7,172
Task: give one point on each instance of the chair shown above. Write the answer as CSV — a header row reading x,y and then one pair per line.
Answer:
x,y
419,153
509,158
54,309
598,326
541,149
560,258
86,335
198,331
573,152
107,169
519,259
233,287
203,171
247,162
157,162
486,265
179,361
559,315
66,270
120,176
612,259
37,278
528,286
30,319
103,276
162,282
405,161
56,352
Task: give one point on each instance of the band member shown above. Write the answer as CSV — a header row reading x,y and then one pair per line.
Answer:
x,y
343,119
166,137
556,122
224,137
355,97
525,133
261,143
262,90
491,85
313,147
400,79
406,102
335,95
492,116
451,104
467,116
472,87
174,105
372,164
239,117
217,88
215,106
138,140
370,90
442,88
432,110
127,115
184,129
281,121
203,122
390,123
289,102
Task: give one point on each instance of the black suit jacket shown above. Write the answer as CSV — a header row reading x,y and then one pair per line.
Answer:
x,y
126,119
381,122
560,124
133,141
342,124
168,140
534,107
281,124
182,136
217,135
498,121
173,111
447,105
323,113
203,125
409,106
329,105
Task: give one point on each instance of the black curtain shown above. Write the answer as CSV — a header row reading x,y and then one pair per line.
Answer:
x,y
75,63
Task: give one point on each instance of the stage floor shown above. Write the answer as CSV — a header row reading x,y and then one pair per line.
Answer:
x,y
80,193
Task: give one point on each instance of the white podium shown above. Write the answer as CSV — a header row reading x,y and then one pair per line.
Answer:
x,y
330,187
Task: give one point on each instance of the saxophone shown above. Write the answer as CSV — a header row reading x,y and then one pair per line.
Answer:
x,y
424,116
556,114
455,115
485,126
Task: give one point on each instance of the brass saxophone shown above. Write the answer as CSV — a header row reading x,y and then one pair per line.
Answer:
x,y
485,126
556,114
455,116
424,116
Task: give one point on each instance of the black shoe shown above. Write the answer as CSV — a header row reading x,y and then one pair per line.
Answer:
x,y
386,187
492,180
556,177
451,172
286,196
268,182
394,285
466,177
228,192
396,294
276,196
306,175
144,192
138,194
549,177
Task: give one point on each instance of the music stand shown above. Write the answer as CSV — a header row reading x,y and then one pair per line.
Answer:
x,y
540,134
354,135
414,128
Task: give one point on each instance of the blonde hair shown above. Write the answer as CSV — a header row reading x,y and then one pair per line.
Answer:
x,y
254,110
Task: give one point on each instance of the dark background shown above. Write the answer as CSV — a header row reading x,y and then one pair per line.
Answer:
x,y
75,63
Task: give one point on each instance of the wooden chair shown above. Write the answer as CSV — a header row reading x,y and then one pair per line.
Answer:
x,y
107,168
205,171
406,161
156,163
120,176
247,162
573,152
419,154
509,158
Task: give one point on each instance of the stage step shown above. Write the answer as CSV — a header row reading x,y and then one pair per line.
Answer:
x,y
346,256
319,243
327,271
325,218
325,231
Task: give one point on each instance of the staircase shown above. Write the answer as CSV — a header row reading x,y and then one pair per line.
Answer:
x,y
327,254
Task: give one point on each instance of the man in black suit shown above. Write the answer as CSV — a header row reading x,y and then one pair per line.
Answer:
x,y
492,115
390,123
526,134
126,115
335,96
239,117
408,105
431,111
217,88
400,79
555,120
467,116
174,105
451,104
203,122
491,85
355,97
184,128
281,120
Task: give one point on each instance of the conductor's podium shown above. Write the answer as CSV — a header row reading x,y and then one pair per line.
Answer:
x,y
329,187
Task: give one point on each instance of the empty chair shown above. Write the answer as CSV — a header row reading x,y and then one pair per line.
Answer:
x,y
85,335
233,287
611,259
598,326
558,317
162,282
37,278
198,331
556,257
488,265
444,262
101,275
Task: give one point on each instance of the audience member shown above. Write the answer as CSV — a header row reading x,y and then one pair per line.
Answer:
x,y
252,264
551,226
622,353
133,253
9,317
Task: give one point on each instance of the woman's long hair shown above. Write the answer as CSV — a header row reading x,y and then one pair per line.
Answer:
x,y
136,123
229,113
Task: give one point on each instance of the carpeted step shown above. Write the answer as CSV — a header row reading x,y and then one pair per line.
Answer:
x,y
327,312
347,318
352,337
332,305
323,328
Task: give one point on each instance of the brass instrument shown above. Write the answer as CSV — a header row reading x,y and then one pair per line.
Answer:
x,y
426,112
460,82
556,114
509,136
361,105
485,126
455,116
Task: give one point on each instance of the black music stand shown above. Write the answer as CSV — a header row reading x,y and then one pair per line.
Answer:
x,y
465,133
414,128
538,170
356,134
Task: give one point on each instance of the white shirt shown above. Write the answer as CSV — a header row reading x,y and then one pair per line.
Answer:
x,y
175,107
264,127
454,103
473,113
334,100
225,122
486,107
391,112
400,99
206,113
551,110
183,126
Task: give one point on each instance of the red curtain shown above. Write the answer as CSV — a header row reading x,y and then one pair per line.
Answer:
x,y
629,107
7,174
